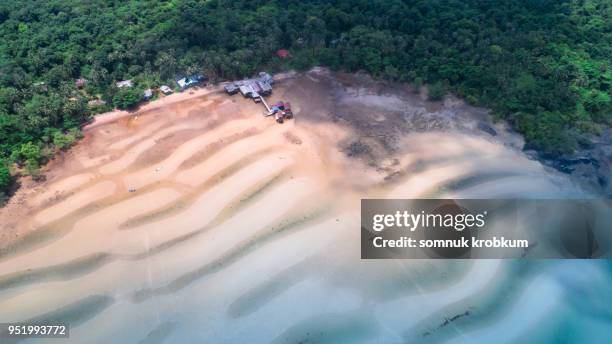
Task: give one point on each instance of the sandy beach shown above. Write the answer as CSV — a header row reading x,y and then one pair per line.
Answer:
x,y
197,202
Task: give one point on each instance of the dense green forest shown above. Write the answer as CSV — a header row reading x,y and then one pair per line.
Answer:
x,y
543,65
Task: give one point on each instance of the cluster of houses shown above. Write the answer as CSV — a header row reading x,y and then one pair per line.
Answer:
x,y
254,88
183,84
258,88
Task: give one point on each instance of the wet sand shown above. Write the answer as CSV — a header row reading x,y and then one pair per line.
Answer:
x,y
237,222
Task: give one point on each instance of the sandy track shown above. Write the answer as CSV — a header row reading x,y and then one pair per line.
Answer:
x,y
114,116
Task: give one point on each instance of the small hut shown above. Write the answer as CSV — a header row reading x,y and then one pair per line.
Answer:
x,y
80,83
148,94
96,102
165,89
124,83
283,53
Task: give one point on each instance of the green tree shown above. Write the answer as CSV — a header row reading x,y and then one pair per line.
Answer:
x,y
63,141
314,30
5,175
127,97
27,152
436,91
418,83
28,155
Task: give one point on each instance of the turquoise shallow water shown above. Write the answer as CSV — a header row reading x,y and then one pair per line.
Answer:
x,y
525,301
541,301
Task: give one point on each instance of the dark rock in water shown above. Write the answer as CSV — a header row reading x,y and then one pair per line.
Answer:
x,y
585,143
603,180
590,165
487,129
532,154
569,163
